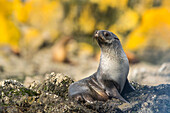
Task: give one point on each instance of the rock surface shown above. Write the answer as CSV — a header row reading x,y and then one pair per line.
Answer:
x,y
148,74
51,95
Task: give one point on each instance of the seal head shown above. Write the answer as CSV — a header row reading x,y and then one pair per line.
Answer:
x,y
105,37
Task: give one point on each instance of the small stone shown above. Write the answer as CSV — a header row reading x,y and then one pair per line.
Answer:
x,y
153,96
6,100
145,104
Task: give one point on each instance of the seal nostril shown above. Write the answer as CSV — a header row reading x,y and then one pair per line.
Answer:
x,y
96,33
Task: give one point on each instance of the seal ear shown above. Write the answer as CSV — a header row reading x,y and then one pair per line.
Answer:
x,y
127,88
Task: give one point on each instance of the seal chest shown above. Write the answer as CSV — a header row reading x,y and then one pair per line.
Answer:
x,y
110,80
115,68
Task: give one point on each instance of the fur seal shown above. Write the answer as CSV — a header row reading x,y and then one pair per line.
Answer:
x,y
110,80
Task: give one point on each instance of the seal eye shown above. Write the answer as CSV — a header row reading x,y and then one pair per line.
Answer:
x,y
106,34
116,38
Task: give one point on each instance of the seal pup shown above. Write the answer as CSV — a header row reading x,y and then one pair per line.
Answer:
x,y
110,80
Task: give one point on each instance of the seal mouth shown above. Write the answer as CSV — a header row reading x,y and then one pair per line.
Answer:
x,y
98,36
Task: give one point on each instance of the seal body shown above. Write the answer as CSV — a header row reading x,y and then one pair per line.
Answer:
x,y
110,80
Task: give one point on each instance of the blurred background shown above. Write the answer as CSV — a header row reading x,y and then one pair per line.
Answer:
x,y
44,36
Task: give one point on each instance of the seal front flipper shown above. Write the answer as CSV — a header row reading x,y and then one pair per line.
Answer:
x,y
113,93
82,98
127,88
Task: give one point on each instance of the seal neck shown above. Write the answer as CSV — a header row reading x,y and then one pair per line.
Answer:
x,y
111,57
113,50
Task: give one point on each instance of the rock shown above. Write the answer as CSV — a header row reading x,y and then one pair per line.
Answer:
x,y
150,99
53,84
149,74
51,95
28,80
165,69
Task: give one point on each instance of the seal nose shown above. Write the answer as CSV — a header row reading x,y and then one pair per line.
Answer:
x,y
96,33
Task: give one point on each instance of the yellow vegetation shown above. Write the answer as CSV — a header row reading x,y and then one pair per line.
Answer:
x,y
127,21
21,10
87,21
85,49
104,4
32,22
9,33
155,25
